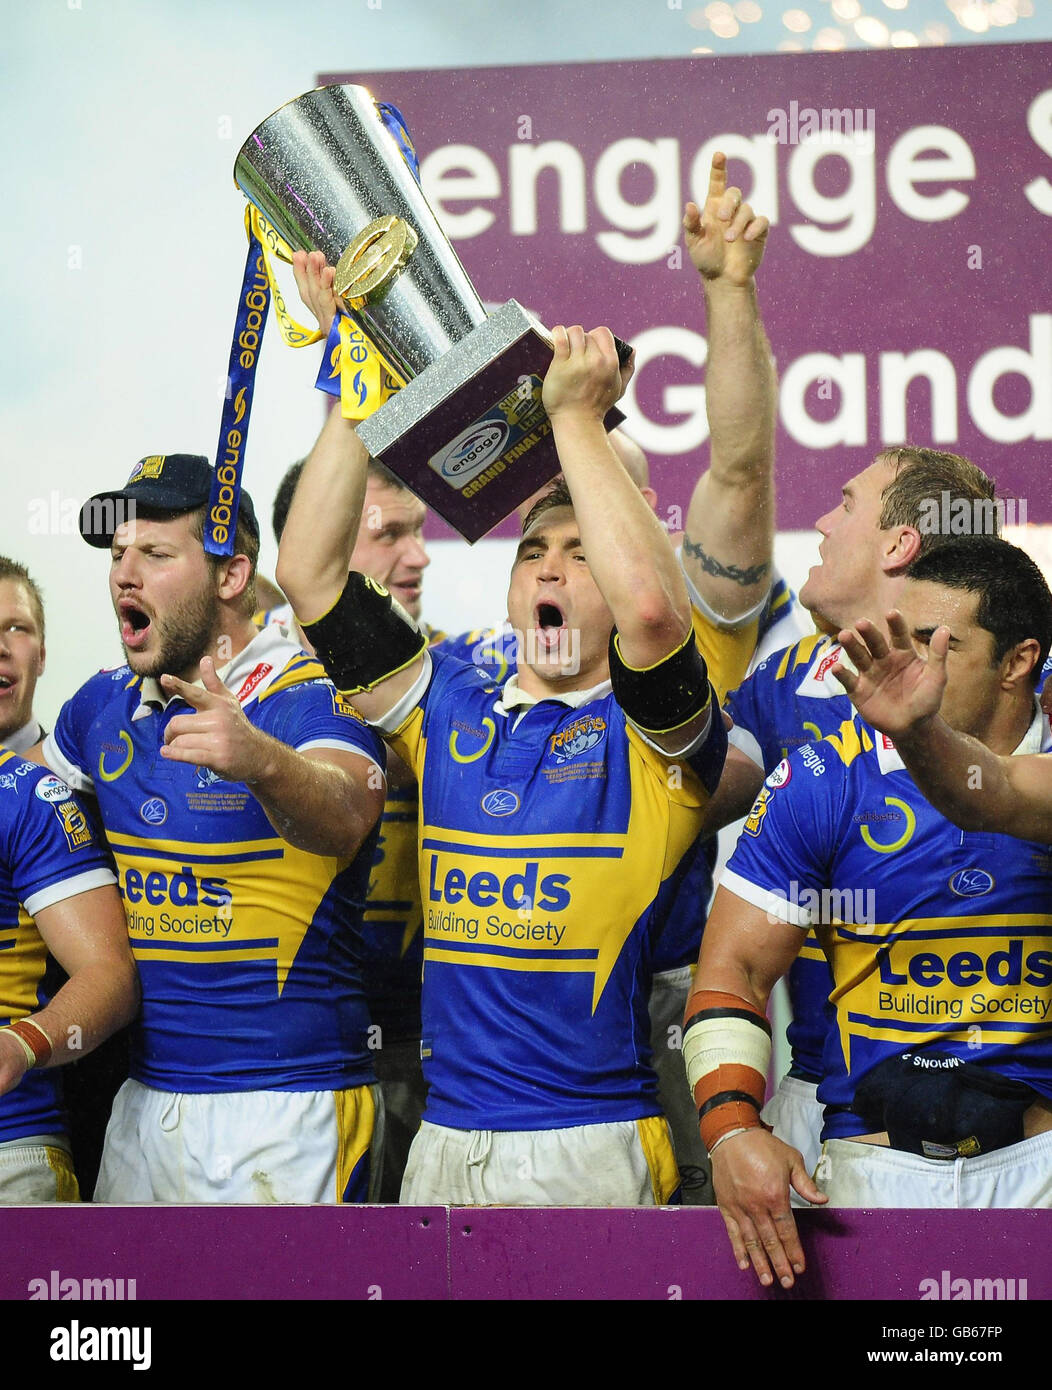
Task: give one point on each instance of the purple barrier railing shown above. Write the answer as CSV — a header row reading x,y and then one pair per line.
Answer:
x,y
317,1253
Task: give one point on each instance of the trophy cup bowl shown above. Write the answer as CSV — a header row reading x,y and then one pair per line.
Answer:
x,y
467,433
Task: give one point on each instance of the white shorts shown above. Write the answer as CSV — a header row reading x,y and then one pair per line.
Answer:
x,y
36,1173
629,1163
243,1147
796,1117
869,1175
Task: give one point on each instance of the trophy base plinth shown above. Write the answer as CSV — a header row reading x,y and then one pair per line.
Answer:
x,y
469,435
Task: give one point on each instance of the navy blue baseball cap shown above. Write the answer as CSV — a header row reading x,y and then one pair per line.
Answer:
x,y
175,483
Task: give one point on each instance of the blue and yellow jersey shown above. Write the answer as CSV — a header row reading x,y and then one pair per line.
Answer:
x,y
392,925
937,937
729,652
792,698
550,839
47,853
248,948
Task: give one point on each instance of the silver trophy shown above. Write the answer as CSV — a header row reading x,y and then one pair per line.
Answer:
x,y
467,433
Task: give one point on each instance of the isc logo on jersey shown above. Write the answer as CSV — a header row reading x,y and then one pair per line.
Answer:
x,y
486,888
971,883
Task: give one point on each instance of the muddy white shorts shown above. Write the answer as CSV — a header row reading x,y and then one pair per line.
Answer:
x,y
628,1163
36,1173
244,1147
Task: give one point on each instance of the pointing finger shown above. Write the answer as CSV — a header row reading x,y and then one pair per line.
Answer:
x,y
192,694
718,175
209,678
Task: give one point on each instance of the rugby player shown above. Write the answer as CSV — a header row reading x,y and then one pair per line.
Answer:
x,y
899,690
57,896
868,542
21,655
239,797
554,814
92,1080
726,552
937,1080
726,557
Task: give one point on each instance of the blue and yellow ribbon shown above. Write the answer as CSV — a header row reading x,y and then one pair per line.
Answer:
x,y
258,287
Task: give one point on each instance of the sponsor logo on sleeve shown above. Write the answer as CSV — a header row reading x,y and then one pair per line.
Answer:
x,y
52,789
781,776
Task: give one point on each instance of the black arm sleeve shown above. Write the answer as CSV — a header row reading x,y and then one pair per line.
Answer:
x,y
366,636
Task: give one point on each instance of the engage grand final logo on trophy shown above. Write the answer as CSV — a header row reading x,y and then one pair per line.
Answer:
x,y
460,418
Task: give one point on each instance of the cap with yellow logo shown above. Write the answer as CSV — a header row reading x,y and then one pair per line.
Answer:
x,y
174,483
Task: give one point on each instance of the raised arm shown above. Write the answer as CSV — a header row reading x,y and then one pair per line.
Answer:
x,y
726,1048
317,543
628,552
322,526
729,537
899,691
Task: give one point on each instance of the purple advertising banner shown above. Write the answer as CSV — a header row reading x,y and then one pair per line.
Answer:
x,y
906,286
93,1254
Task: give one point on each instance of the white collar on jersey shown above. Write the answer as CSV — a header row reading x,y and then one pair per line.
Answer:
x,y
23,738
1037,739
254,668
819,681
513,698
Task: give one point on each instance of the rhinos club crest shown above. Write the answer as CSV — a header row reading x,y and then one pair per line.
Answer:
x,y
577,738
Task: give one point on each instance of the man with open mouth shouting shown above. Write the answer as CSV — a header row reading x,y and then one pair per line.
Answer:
x,y
555,811
239,796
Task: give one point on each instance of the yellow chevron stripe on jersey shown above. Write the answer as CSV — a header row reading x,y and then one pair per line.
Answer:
x,y
546,919
204,902
941,977
22,962
850,741
727,653
215,849
298,670
800,654
952,926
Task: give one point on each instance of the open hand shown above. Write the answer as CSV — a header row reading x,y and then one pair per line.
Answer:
x,y
752,1173
896,689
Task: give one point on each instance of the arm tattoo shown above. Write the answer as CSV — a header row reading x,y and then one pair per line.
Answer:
x,y
744,577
